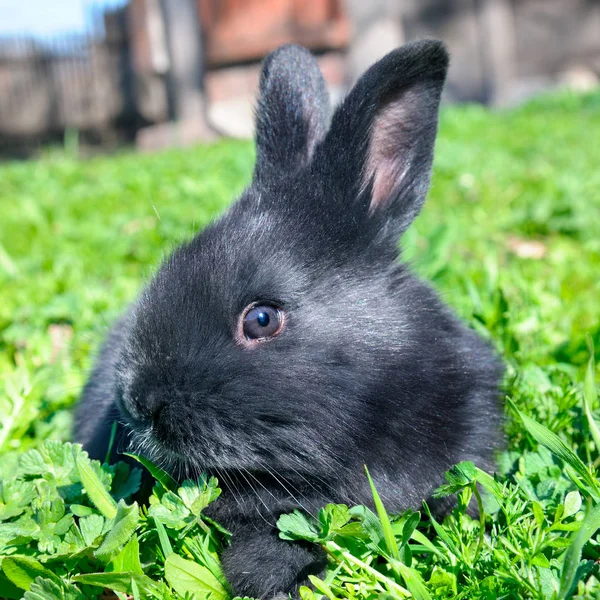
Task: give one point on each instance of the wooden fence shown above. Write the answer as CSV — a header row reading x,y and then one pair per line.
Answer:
x,y
78,81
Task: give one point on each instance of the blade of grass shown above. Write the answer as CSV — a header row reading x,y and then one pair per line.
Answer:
x,y
95,489
572,557
165,543
111,442
135,590
590,396
550,440
414,583
442,534
388,533
422,539
159,474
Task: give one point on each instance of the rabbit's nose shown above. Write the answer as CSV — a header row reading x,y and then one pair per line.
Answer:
x,y
155,402
147,406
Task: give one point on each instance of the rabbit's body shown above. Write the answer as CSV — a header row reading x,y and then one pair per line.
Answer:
x,y
367,366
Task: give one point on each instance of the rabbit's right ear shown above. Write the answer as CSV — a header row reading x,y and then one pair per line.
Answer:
x,y
293,112
378,151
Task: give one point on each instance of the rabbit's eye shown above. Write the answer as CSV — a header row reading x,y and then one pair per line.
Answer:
x,y
261,322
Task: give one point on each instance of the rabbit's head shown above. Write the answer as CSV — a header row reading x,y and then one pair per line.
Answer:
x,y
286,337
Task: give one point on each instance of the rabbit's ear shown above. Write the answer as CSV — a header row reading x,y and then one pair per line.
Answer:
x,y
379,147
293,111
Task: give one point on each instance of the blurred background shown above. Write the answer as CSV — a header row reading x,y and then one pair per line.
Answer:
x,y
101,74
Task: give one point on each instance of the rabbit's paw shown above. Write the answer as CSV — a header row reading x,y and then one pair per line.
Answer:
x,y
261,565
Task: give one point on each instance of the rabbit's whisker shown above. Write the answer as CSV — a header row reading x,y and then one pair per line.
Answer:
x,y
312,485
258,496
274,476
231,488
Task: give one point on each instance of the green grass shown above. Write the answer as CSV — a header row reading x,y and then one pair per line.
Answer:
x,y
510,237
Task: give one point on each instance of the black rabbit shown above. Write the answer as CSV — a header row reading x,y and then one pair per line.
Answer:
x,y
284,347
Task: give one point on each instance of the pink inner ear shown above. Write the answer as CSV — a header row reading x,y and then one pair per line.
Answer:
x,y
390,147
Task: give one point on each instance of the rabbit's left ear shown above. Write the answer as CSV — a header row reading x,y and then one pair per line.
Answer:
x,y
293,112
379,149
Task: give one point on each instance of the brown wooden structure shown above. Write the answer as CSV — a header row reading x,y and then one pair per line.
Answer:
x,y
244,30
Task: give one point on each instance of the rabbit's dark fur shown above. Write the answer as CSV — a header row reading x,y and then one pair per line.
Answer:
x,y
370,368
